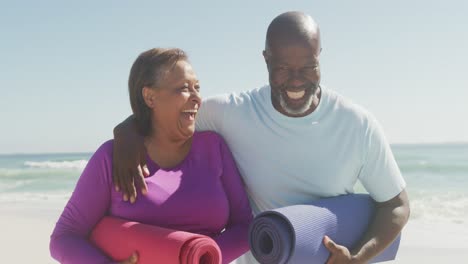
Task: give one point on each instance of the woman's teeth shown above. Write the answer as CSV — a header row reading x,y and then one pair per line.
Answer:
x,y
191,113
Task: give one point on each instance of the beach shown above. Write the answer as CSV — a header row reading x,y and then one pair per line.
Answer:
x,y
35,188
26,229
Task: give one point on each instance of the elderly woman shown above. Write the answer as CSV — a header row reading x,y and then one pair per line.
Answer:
x,y
193,183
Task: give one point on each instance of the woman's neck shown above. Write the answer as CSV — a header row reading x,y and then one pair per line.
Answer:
x,y
167,152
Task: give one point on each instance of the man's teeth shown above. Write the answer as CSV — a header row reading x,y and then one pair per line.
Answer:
x,y
295,95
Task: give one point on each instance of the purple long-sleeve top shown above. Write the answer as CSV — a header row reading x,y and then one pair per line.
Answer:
x,y
204,194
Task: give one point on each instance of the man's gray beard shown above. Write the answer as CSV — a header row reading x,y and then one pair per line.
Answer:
x,y
307,105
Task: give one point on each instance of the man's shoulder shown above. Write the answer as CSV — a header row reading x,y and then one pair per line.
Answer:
x,y
237,98
346,106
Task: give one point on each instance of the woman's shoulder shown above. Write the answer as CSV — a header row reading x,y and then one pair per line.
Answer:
x,y
208,137
104,151
107,147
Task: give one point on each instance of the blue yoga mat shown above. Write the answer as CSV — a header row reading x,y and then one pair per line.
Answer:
x,y
294,234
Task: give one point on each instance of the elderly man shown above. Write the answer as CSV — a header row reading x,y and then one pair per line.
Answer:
x,y
294,141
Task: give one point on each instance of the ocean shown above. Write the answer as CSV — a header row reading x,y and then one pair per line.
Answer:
x,y
34,190
436,175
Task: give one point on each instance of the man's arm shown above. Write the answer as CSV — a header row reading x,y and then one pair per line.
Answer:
x,y
382,178
390,218
129,156
129,160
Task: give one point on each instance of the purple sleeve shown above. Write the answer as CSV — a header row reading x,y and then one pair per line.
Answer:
x,y
88,204
233,242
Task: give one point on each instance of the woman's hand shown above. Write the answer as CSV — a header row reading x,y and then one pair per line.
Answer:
x,y
133,259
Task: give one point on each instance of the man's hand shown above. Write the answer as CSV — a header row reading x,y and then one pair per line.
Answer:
x,y
389,219
133,259
129,160
338,254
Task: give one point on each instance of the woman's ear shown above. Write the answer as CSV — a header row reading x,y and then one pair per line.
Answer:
x,y
149,96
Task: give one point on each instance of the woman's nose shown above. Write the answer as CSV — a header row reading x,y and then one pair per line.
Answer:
x,y
196,97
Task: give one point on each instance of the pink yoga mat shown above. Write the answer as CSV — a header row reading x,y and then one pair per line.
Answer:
x,y
119,238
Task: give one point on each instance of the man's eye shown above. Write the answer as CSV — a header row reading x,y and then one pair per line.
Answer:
x,y
310,70
281,69
311,67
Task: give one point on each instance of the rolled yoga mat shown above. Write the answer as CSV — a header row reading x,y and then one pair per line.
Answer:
x,y
119,238
294,234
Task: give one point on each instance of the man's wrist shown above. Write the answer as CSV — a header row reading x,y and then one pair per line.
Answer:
x,y
355,259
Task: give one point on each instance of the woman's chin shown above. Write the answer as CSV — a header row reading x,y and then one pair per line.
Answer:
x,y
187,132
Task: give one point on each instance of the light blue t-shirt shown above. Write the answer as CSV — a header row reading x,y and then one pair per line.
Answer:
x,y
286,160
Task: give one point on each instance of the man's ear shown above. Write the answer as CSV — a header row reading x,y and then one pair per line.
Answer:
x,y
265,56
149,96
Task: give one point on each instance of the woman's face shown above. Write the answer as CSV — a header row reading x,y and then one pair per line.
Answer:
x,y
175,101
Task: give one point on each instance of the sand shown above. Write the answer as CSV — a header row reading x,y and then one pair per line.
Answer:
x,y
25,231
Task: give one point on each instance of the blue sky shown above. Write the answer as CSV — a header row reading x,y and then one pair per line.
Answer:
x,y
64,66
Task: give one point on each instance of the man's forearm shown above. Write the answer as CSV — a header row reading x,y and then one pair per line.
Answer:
x,y
390,218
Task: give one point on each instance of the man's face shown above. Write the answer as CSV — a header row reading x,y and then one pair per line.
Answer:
x,y
294,77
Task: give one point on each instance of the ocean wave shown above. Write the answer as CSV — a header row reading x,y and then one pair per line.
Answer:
x,y
11,185
436,207
74,164
34,196
426,166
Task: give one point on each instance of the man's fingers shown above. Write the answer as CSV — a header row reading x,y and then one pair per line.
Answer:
x,y
119,176
125,196
115,175
132,190
124,186
329,244
145,171
116,179
140,181
142,153
143,162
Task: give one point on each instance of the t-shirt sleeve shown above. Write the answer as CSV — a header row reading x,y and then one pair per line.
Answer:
x,y
379,174
212,113
87,205
233,242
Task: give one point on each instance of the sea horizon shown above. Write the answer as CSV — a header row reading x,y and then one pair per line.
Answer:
x,y
398,144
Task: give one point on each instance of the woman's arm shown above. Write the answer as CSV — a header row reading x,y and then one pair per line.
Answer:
x,y
88,204
233,242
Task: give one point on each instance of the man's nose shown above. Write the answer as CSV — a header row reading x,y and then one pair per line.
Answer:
x,y
295,78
